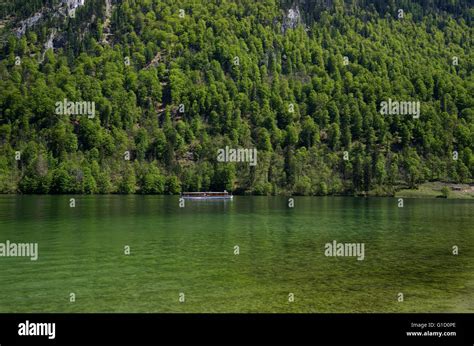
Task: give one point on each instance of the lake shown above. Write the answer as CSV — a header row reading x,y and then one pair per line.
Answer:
x,y
252,254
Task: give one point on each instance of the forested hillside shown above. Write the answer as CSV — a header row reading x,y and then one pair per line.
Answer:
x,y
173,81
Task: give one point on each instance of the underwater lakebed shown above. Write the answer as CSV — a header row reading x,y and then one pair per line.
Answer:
x,y
253,254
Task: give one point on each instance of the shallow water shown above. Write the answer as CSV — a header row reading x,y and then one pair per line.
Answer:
x,y
191,250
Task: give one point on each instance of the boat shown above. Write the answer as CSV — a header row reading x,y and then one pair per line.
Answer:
x,y
206,195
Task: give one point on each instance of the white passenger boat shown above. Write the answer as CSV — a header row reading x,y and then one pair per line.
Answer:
x,y
206,195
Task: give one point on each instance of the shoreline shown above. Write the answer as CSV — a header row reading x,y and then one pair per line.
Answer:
x,y
424,191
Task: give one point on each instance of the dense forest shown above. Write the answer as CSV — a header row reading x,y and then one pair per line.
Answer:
x,y
173,81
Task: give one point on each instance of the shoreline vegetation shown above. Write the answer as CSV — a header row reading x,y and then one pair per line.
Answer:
x,y
435,189
439,190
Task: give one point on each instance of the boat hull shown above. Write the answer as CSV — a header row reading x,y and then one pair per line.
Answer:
x,y
207,197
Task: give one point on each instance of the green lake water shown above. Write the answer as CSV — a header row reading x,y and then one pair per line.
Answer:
x,y
190,250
